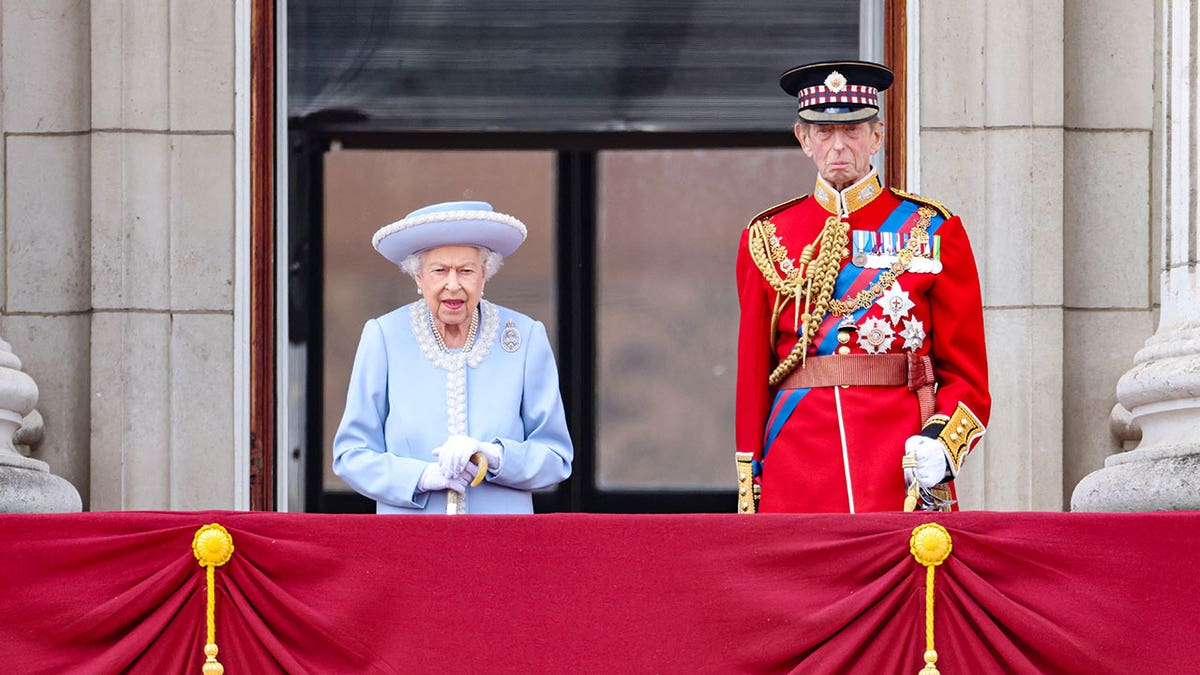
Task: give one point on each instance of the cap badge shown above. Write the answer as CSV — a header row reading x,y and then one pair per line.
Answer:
x,y
510,339
836,82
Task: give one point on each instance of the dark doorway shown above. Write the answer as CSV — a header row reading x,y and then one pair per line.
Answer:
x,y
644,141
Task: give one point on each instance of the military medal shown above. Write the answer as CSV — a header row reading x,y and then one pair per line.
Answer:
x,y
895,303
913,334
881,250
845,328
863,244
875,336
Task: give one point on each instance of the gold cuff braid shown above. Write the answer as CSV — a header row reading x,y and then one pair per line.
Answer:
x,y
748,492
959,433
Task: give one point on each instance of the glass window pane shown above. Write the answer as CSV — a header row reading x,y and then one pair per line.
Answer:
x,y
367,189
548,65
669,223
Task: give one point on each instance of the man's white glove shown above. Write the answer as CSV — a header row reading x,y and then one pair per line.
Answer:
x,y
931,461
454,455
432,479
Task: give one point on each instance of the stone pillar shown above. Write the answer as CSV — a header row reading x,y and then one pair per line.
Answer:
x,y
26,485
1162,390
991,148
163,185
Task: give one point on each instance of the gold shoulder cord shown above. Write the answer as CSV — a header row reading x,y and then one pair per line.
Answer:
x,y
766,250
816,280
925,201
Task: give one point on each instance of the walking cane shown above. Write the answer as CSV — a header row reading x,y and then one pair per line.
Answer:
x,y
456,503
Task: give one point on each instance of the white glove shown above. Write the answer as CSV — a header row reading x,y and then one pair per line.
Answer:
x,y
931,461
432,480
455,454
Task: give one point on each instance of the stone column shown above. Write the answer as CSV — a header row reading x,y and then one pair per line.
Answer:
x,y
26,485
1162,390
163,186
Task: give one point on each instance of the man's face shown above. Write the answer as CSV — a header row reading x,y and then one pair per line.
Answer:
x,y
842,152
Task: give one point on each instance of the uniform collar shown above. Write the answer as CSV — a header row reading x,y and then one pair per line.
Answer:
x,y
852,198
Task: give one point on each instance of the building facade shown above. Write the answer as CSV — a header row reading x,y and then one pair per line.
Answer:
x,y
126,221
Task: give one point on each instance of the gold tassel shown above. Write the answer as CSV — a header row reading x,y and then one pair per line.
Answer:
x,y
212,547
780,302
930,546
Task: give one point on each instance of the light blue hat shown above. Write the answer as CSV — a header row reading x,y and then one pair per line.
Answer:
x,y
449,224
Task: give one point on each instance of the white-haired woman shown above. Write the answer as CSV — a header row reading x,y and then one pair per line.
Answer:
x,y
451,375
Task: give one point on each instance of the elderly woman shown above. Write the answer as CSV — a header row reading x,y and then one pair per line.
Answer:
x,y
452,377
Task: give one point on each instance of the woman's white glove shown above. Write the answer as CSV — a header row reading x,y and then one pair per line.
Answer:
x,y
931,461
432,479
454,455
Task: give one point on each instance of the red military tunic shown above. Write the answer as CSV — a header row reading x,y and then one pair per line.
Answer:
x,y
838,448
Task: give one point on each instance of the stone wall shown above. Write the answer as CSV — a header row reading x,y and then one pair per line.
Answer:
x,y
1111,225
1035,124
118,259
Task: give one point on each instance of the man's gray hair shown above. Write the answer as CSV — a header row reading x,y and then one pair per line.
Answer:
x,y
491,262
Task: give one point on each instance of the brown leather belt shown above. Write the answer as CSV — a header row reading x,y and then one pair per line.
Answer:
x,y
869,370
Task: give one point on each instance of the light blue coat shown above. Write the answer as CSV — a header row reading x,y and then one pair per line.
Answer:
x,y
400,407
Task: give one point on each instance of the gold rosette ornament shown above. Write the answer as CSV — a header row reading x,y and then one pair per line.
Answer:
x,y
212,547
930,545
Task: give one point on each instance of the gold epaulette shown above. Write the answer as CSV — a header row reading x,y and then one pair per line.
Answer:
x,y
775,209
926,201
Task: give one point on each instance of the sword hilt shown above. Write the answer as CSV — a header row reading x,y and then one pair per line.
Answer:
x,y
913,493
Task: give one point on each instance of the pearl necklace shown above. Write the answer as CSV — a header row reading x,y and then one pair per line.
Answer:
x,y
437,335
443,359
455,363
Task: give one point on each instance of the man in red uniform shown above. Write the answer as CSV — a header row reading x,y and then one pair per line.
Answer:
x,y
862,376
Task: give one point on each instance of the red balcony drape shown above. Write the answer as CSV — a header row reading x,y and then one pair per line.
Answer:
x,y
579,593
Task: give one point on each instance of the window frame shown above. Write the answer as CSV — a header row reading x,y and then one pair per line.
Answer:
x,y
575,278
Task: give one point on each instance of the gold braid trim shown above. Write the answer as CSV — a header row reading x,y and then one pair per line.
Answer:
x,y
818,278
961,430
927,201
766,251
818,282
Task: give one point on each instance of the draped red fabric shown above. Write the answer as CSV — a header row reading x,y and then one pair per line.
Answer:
x,y
579,593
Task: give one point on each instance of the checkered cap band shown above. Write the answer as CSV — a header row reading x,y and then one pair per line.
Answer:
x,y
856,94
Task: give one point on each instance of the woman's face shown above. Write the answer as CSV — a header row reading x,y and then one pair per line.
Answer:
x,y
451,281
